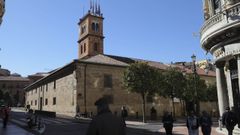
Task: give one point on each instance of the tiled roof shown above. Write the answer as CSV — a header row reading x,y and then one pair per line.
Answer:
x,y
200,71
13,78
104,59
155,64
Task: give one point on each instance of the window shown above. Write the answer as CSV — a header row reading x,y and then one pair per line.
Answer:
x,y
93,26
35,90
83,29
81,49
46,101
97,27
54,84
35,102
46,87
107,81
84,48
95,47
31,102
54,100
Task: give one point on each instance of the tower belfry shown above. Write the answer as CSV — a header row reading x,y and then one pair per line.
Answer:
x,y
91,32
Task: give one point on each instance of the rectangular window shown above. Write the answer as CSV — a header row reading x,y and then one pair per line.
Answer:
x,y
35,102
46,101
54,84
35,90
84,47
81,49
46,87
41,88
31,102
54,101
107,81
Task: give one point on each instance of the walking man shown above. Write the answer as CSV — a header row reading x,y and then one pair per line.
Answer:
x,y
206,123
229,119
106,123
192,124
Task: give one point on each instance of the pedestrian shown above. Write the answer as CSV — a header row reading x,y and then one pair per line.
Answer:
x,y
124,113
192,124
205,123
5,115
229,119
153,113
167,121
106,123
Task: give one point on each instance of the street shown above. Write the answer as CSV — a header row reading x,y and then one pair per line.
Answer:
x,y
61,126
64,126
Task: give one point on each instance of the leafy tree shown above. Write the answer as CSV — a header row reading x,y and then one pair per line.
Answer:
x,y
212,93
195,91
173,86
140,78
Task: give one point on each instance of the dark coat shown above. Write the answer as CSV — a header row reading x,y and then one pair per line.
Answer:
x,y
106,124
167,121
229,119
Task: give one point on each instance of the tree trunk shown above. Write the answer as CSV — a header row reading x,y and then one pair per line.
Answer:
x,y
173,105
143,107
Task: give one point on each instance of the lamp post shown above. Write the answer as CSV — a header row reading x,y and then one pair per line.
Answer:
x,y
195,85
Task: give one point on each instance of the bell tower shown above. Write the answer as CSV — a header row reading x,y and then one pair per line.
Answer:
x,y
91,32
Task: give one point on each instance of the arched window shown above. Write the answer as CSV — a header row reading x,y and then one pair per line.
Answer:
x,y
97,27
93,26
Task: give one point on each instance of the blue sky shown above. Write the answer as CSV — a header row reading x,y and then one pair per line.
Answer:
x,y
41,35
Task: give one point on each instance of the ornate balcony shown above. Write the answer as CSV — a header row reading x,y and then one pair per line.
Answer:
x,y
221,27
2,9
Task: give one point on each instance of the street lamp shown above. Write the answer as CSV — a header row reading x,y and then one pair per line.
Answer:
x,y
195,85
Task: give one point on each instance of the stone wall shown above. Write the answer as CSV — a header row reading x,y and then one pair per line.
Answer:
x,y
64,92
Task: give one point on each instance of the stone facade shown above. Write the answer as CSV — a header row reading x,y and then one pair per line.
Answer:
x,y
14,85
220,36
81,83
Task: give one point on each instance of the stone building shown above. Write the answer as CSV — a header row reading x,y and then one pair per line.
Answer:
x,y
13,84
2,9
220,36
76,86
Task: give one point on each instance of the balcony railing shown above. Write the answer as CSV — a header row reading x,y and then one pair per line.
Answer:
x,y
210,22
224,15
